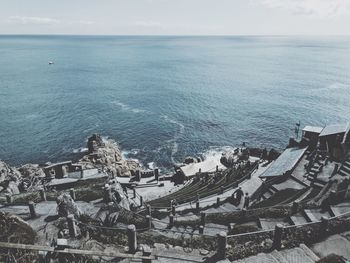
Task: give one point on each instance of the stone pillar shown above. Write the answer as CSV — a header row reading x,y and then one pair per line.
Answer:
x,y
71,226
134,192
277,239
156,174
333,197
217,168
295,207
200,171
9,199
42,195
132,241
222,244
32,209
197,206
72,194
203,219
171,220
149,221
173,209
201,229
218,201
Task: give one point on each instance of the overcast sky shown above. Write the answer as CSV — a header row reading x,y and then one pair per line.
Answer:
x,y
176,17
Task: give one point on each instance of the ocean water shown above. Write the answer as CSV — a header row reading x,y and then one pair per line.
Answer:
x,y
164,98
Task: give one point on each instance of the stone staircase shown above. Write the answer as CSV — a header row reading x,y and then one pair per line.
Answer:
x,y
344,169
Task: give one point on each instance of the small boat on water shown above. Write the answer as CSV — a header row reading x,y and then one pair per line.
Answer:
x,y
51,62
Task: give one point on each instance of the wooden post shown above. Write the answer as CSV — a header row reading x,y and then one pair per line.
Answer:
x,y
333,197
9,199
146,252
149,210
71,226
218,201
173,209
203,219
156,174
201,229
325,224
141,200
132,241
197,206
295,207
200,171
42,195
171,220
138,175
134,192
277,239
72,194
222,244
217,168
149,221
32,209
221,189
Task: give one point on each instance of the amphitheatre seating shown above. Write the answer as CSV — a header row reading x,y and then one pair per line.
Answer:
x,y
199,187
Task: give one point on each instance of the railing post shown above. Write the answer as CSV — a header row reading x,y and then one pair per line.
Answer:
x,y
277,239
171,220
138,175
173,209
222,244
156,174
141,201
32,209
218,201
42,195
71,226
72,194
149,210
149,221
9,199
132,241
217,168
203,219
201,229
325,224
197,203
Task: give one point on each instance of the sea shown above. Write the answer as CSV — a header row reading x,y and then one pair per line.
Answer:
x,y
163,98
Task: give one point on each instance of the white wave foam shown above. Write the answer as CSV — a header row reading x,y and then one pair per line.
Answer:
x,y
126,107
217,151
151,165
80,150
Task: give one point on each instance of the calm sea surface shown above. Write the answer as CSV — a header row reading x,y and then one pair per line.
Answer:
x,y
163,98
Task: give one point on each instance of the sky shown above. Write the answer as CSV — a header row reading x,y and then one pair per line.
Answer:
x,y
175,17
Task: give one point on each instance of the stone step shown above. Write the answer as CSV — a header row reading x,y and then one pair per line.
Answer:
x,y
270,223
314,215
345,169
340,209
296,255
343,173
347,163
278,257
298,219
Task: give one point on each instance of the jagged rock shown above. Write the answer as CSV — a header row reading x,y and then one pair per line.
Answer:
x,y
119,196
13,229
107,154
9,178
66,206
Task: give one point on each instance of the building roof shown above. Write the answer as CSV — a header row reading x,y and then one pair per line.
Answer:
x,y
313,129
334,129
284,163
208,165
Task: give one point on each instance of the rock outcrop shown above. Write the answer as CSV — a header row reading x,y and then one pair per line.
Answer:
x,y
66,206
9,179
105,153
